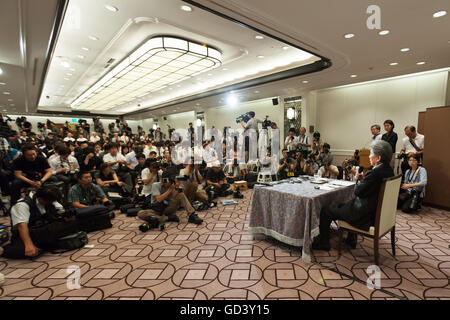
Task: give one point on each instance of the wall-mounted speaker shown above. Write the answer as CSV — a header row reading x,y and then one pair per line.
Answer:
x,y
165,118
275,101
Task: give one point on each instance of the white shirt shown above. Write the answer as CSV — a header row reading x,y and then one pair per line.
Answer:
x,y
419,141
209,154
125,139
377,137
145,174
66,139
110,158
82,140
329,174
291,145
130,158
147,151
56,163
94,139
303,139
20,212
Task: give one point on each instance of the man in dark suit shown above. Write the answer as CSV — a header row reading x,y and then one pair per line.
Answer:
x,y
359,212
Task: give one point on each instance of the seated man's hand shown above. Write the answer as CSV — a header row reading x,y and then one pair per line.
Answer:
x,y
31,250
405,186
37,184
120,183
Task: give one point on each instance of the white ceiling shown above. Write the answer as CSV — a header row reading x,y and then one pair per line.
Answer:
x,y
26,27
318,26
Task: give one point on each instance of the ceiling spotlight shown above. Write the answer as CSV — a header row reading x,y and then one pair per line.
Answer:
x,y
2,84
232,100
66,79
353,76
111,8
186,8
65,64
94,38
6,93
393,64
72,69
260,57
85,49
285,47
305,81
384,32
69,74
259,37
10,100
80,56
225,69
405,50
349,36
256,91
439,14
421,63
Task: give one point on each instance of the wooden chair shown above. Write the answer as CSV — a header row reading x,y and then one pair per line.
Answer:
x,y
384,219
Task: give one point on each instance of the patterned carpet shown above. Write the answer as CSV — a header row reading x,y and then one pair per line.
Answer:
x,y
220,260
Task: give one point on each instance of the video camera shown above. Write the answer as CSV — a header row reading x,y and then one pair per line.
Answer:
x,y
243,117
266,123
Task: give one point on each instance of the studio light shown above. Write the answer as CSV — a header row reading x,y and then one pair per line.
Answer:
x,y
159,62
232,100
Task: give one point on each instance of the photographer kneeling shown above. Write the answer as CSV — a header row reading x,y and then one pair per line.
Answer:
x,y
166,199
37,223
190,185
64,166
412,190
216,181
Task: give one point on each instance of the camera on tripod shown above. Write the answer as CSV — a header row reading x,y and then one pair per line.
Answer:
x,y
266,123
243,117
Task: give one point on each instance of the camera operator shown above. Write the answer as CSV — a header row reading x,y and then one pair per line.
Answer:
x,y
64,166
413,144
328,170
412,190
299,163
286,168
216,180
325,154
85,193
37,222
27,127
316,143
291,141
118,163
30,170
303,142
193,180
149,175
89,160
109,182
351,169
310,167
166,199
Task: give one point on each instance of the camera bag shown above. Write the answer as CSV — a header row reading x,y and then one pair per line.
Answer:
x,y
124,208
133,212
94,218
73,241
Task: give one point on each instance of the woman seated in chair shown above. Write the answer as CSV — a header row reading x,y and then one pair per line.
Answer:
x,y
107,179
359,212
412,190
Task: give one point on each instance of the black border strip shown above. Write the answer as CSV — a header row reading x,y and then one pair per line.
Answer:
x,y
57,25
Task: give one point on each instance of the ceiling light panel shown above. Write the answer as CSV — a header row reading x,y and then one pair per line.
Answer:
x,y
159,62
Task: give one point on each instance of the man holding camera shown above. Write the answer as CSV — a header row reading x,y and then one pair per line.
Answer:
x,y
216,181
190,186
37,223
149,175
167,198
291,141
85,193
328,170
310,167
64,166
303,142
118,163
413,144
30,170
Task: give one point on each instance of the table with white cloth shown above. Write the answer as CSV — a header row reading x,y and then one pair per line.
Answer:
x,y
290,212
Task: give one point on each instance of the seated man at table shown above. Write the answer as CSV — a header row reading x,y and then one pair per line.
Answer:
x,y
359,212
